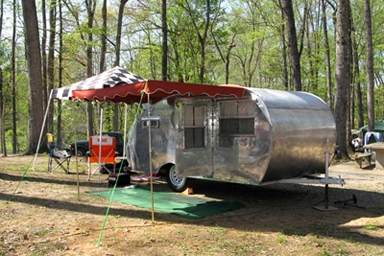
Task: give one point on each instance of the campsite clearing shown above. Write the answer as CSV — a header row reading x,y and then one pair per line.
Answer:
x,y
52,213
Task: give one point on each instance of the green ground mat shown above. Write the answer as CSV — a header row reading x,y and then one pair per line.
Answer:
x,y
186,206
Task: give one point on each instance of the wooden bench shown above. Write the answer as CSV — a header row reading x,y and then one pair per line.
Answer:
x,y
360,157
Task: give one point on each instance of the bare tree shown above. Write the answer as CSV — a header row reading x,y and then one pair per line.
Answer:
x,y
201,31
342,74
13,82
103,36
117,56
51,58
358,100
44,56
2,108
91,6
1,16
225,56
2,92
327,53
164,52
35,104
292,41
118,31
60,70
368,49
2,114
284,52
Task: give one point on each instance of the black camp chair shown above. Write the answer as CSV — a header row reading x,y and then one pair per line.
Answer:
x,y
61,157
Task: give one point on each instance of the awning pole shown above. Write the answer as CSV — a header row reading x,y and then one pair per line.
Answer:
x,y
77,159
101,130
125,132
150,158
41,131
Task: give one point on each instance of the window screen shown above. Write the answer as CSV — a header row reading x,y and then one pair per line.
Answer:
x,y
236,118
194,128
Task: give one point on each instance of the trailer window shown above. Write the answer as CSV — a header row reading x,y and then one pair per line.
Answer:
x,y
194,128
155,122
236,118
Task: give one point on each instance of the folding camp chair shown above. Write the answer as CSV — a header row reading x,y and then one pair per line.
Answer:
x,y
59,155
101,151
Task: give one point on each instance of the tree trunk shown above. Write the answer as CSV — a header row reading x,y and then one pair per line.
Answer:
x,y
117,58
103,54
203,40
201,33
60,73
227,57
369,55
164,53
51,61
356,80
342,75
35,103
327,55
13,82
2,113
103,37
2,105
91,5
2,99
284,54
1,16
292,40
44,58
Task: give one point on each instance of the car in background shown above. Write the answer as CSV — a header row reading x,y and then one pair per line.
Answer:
x,y
83,145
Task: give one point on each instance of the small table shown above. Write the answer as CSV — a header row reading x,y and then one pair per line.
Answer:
x,y
378,147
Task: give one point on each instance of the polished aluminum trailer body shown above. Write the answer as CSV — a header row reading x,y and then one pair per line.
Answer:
x,y
265,136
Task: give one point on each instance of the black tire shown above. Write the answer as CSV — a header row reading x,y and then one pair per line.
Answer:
x,y
80,152
177,184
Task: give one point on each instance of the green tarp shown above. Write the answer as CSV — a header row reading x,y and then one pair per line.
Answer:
x,y
183,205
379,126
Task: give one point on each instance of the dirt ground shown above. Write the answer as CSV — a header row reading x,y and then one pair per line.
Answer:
x,y
51,214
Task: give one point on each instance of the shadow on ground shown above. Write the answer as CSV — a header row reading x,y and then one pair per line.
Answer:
x,y
275,208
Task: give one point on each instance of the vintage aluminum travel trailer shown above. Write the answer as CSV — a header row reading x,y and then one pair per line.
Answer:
x,y
263,137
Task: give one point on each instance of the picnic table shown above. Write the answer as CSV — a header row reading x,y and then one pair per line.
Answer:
x,y
359,158
378,148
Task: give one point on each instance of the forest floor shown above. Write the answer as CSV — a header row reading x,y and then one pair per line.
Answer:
x,y
46,213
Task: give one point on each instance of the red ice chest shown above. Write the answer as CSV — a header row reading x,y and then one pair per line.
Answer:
x,y
103,146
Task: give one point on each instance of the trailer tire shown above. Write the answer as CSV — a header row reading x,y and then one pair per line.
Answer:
x,y
177,184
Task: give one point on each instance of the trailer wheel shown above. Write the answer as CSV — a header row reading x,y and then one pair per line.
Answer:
x,y
177,184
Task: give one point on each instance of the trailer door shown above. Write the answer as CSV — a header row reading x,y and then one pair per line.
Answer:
x,y
237,156
193,137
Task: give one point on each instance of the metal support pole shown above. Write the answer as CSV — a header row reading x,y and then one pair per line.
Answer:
x,y
150,158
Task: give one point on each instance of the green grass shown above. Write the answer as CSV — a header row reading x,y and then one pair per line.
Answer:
x,y
282,238
42,232
371,227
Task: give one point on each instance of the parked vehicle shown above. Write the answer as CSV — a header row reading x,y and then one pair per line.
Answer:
x,y
83,145
266,136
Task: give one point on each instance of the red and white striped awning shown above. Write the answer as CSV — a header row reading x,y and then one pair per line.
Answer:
x,y
118,85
